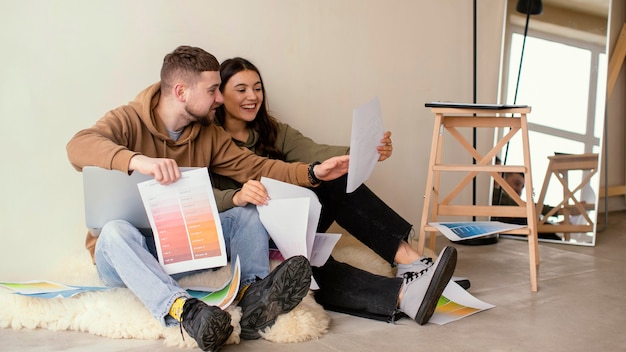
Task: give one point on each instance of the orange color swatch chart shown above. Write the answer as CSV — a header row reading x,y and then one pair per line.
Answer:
x,y
185,222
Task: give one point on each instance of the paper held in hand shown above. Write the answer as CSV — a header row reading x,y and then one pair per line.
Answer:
x,y
291,219
367,131
185,222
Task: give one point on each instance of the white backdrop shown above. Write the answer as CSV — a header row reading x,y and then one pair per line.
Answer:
x,y
66,62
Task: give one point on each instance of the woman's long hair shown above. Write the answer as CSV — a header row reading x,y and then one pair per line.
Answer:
x,y
265,124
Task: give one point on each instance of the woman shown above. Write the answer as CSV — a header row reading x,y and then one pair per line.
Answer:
x,y
343,288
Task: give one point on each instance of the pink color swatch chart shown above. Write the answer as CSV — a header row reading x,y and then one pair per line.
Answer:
x,y
185,222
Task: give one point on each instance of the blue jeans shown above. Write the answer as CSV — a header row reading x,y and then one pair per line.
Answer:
x,y
126,257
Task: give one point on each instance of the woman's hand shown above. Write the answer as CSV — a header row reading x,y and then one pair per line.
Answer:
x,y
252,192
386,148
332,168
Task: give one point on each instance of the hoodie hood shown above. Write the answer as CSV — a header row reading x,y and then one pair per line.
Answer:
x,y
145,103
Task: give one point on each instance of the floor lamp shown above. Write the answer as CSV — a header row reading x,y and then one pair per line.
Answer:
x,y
527,7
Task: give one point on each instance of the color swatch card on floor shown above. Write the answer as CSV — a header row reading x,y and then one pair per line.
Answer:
x,y
48,289
456,303
223,296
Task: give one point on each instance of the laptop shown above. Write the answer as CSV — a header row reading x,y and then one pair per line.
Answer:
x,y
113,195
442,104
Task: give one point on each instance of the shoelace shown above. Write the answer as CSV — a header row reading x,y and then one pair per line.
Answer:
x,y
409,276
427,261
180,325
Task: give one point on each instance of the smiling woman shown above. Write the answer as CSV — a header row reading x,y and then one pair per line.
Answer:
x,y
361,213
244,93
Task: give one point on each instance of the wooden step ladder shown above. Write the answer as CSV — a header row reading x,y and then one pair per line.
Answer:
x,y
450,119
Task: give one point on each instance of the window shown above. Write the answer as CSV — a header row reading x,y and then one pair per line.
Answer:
x,y
564,81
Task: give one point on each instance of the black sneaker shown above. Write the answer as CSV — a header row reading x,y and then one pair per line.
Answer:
x,y
208,325
281,291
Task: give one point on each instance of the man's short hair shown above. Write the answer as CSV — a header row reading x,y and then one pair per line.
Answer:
x,y
186,63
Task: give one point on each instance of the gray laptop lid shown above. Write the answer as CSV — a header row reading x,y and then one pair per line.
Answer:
x,y
113,195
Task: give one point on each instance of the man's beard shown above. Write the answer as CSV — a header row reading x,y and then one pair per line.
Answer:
x,y
204,120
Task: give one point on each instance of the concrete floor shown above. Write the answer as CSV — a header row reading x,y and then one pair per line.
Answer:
x,y
580,306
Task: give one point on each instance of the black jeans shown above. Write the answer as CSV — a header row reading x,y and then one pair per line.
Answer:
x,y
347,289
363,215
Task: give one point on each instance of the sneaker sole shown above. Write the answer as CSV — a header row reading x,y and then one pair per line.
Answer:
x,y
445,265
290,284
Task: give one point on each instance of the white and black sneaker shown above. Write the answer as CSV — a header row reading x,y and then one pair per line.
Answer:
x,y
416,266
424,263
421,290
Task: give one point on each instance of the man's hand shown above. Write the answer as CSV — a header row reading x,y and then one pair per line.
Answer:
x,y
164,171
332,168
386,147
252,192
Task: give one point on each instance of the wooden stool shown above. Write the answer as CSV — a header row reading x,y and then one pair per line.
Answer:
x,y
560,166
452,117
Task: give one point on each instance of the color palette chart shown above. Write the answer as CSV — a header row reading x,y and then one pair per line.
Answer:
x,y
456,303
201,226
185,225
185,222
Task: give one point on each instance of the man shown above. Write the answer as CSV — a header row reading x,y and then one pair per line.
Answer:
x,y
168,126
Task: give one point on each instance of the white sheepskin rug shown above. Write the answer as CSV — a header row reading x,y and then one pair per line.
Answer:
x,y
117,313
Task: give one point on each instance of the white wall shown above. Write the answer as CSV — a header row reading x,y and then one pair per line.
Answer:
x,y
65,63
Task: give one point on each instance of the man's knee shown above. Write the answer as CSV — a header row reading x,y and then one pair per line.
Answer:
x,y
116,231
245,217
251,215
249,211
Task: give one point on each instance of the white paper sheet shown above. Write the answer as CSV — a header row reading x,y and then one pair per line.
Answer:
x,y
286,222
367,130
185,222
323,246
282,190
291,219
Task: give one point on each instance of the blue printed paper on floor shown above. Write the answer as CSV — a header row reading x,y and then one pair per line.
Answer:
x,y
463,230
